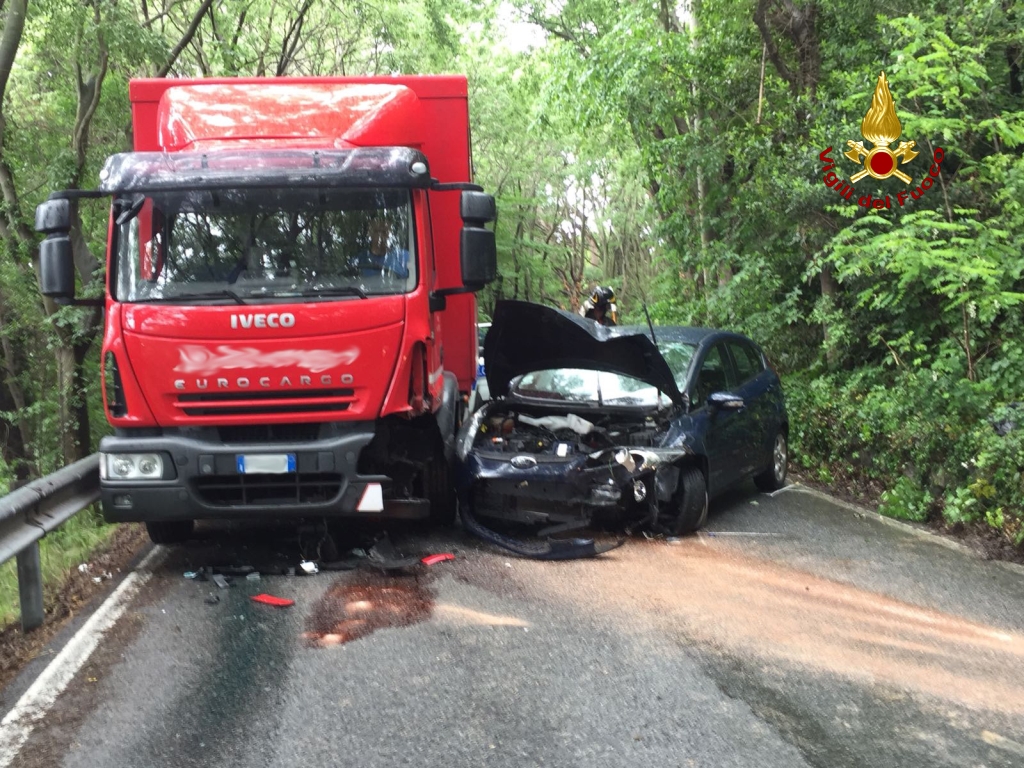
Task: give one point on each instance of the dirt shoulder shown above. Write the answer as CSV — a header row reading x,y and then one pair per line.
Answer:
x,y
63,602
984,540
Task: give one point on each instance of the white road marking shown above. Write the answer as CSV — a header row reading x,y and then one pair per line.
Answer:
x,y
1002,742
790,487
37,700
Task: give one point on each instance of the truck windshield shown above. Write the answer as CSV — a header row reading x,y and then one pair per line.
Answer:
x,y
251,245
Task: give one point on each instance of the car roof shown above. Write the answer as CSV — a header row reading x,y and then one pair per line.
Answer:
x,y
684,333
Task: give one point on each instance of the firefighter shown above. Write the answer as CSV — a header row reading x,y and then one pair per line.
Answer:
x,y
601,306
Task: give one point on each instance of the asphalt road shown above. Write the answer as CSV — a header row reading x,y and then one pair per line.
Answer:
x,y
791,632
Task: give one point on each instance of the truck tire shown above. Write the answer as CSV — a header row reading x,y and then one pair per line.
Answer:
x,y
691,501
170,531
774,477
441,491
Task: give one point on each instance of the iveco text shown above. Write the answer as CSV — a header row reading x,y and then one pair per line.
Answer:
x,y
272,320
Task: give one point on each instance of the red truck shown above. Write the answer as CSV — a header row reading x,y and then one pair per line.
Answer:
x,y
289,311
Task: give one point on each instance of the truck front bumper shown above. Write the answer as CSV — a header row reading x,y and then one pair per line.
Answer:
x,y
202,481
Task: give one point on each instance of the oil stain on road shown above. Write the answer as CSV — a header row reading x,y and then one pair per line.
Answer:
x,y
350,610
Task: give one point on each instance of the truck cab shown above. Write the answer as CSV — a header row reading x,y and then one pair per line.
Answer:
x,y
289,313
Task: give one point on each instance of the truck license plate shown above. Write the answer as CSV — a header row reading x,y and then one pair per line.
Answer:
x,y
265,463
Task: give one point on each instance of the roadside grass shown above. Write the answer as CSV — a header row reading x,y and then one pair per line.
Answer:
x,y
60,552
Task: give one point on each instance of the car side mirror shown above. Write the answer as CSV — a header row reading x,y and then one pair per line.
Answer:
x,y
478,249
56,262
726,401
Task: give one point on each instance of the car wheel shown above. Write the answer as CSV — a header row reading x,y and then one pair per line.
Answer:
x,y
170,531
774,477
691,501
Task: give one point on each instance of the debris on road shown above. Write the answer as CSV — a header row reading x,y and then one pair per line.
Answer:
x,y
438,558
551,549
212,599
254,576
309,567
232,570
220,581
277,602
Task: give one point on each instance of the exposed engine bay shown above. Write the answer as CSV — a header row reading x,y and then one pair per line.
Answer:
x,y
517,432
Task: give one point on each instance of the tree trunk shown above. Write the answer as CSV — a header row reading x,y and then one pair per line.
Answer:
x,y
829,289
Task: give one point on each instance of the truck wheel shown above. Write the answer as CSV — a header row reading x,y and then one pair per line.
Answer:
x,y
774,478
691,501
441,491
170,531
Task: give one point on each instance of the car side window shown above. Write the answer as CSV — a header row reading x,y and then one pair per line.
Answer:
x,y
747,361
715,375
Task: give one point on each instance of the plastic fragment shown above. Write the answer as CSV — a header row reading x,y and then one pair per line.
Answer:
x,y
96,579
190,574
277,602
438,558
233,570
309,567
83,567
254,576
673,540
220,581
212,599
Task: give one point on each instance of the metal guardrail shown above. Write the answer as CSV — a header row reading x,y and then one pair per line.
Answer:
x,y
30,512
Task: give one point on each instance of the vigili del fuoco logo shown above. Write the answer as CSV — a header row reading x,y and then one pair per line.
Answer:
x,y
881,127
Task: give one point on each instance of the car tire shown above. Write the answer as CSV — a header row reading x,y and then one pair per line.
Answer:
x,y
441,492
774,477
691,501
170,531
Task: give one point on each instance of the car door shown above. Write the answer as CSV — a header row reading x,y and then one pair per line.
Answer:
x,y
756,416
722,428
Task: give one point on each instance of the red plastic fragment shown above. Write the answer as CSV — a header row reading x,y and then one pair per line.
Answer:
x,y
438,558
279,602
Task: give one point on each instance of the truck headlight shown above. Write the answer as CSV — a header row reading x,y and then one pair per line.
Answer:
x,y
132,466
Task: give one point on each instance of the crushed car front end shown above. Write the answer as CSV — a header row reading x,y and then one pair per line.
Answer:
x,y
541,470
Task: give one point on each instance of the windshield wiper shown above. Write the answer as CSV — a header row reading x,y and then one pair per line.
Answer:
x,y
340,290
223,294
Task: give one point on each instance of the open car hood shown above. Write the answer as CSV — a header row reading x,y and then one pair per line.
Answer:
x,y
526,337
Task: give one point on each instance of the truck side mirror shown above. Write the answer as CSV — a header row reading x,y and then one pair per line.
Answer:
x,y
56,263
479,253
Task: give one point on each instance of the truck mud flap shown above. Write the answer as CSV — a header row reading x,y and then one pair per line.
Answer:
x,y
552,549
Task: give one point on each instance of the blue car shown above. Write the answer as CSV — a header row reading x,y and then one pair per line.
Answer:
x,y
589,421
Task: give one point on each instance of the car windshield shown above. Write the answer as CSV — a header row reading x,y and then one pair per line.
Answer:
x,y
601,387
264,244
678,356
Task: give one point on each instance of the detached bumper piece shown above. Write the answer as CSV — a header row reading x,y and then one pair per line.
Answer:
x,y
551,549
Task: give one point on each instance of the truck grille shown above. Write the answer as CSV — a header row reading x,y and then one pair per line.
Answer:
x,y
268,433
251,490
256,403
